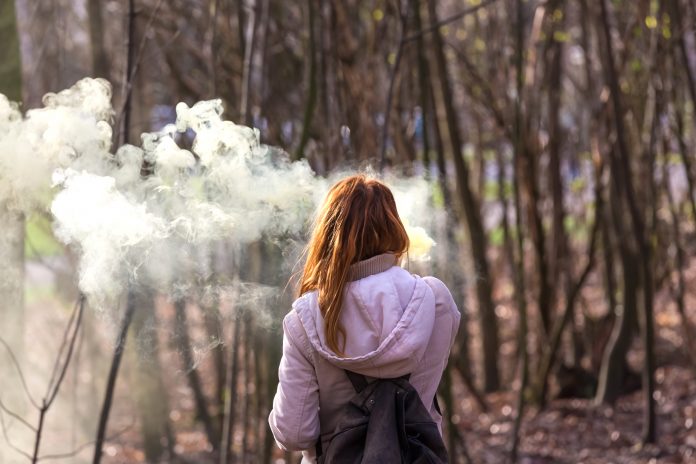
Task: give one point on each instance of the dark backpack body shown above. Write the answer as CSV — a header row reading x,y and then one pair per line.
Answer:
x,y
385,422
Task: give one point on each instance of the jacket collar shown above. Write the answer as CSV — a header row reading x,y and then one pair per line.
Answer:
x,y
371,266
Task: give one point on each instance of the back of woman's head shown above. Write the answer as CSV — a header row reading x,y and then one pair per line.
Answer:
x,y
357,221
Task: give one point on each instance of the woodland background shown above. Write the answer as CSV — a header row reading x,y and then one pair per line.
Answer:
x,y
559,139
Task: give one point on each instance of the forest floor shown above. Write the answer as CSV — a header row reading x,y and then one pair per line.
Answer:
x,y
577,431
569,431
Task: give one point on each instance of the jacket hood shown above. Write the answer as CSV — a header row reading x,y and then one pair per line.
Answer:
x,y
388,318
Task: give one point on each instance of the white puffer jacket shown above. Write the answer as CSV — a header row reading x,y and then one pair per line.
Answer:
x,y
396,323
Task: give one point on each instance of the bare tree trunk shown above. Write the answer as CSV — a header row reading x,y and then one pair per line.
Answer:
x,y
355,76
508,248
423,88
678,290
226,448
597,119
259,75
100,60
128,79
472,213
404,147
260,399
621,167
10,57
214,329
272,360
390,91
183,343
312,86
214,44
330,132
11,221
453,275
529,162
520,292
456,445
131,302
684,153
156,430
677,24
249,41
559,248
480,156
11,291
148,387
246,415
241,27
113,375
572,292
270,261
614,367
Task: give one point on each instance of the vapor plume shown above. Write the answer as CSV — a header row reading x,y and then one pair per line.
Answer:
x,y
156,230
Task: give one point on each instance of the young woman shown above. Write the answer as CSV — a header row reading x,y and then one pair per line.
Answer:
x,y
358,311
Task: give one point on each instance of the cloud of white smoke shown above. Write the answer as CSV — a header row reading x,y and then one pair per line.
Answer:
x,y
155,230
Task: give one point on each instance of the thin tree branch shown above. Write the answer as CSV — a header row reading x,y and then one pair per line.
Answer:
x,y
57,376
16,416
215,4
128,85
230,406
549,356
438,24
523,352
7,438
390,93
13,358
80,308
59,372
56,365
621,166
113,374
490,100
85,445
312,91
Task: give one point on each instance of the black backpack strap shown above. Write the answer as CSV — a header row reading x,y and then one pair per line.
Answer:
x,y
358,381
318,447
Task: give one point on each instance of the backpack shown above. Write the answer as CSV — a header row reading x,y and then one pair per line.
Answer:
x,y
385,422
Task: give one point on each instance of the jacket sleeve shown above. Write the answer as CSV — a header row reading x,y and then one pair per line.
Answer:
x,y
444,298
294,419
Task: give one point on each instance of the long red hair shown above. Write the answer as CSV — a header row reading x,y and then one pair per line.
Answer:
x,y
357,221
